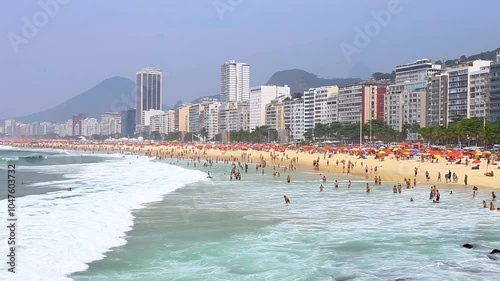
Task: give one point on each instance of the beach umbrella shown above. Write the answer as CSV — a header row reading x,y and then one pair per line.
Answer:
x,y
437,156
476,161
403,143
487,152
478,154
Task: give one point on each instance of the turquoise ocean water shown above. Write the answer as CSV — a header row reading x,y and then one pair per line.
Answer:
x,y
141,219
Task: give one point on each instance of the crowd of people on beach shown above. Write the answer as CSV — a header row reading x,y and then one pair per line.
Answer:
x,y
280,161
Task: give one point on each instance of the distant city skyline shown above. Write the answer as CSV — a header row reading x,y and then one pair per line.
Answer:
x,y
188,40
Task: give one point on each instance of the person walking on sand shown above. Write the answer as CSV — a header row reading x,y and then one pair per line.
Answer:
x,y
439,176
465,179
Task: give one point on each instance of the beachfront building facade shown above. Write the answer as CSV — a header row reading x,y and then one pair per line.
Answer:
x,y
406,103
316,105
494,102
437,100
418,70
233,116
10,127
195,117
479,93
182,118
89,127
362,101
77,124
110,124
332,109
294,118
260,96
459,88
171,120
66,128
149,92
128,118
211,118
159,123
275,118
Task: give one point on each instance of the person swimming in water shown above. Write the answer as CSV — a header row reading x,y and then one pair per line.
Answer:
x,y
321,187
287,200
492,207
484,204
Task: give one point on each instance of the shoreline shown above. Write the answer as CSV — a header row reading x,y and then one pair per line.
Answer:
x,y
389,170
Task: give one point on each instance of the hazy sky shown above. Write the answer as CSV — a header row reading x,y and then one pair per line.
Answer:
x,y
85,42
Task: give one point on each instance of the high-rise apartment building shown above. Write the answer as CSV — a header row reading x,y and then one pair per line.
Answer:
x,y
437,100
479,93
235,81
260,96
406,103
128,118
418,70
211,118
362,101
10,127
494,103
294,118
316,105
149,92
182,118
77,124
458,88
110,124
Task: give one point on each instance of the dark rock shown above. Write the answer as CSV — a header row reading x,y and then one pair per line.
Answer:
x,y
495,251
468,246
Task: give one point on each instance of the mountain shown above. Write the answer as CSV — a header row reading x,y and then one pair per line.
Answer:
x,y
299,80
207,97
113,94
487,55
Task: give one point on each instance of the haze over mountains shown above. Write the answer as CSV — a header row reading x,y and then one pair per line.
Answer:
x,y
118,93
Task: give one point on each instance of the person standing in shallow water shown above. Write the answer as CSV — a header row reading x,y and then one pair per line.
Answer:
x,y
287,200
367,188
288,179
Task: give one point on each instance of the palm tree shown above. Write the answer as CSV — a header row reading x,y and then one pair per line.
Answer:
x,y
203,133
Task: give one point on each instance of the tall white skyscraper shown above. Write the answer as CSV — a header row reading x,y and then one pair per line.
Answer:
x,y
149,92
235,81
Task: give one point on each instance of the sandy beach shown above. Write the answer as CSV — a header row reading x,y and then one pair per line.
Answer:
x,y
390,169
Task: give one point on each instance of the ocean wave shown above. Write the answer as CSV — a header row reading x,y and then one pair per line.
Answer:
x,y
9,159
34,156
63,231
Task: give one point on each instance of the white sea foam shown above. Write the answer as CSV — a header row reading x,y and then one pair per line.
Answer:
x,y
59,233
